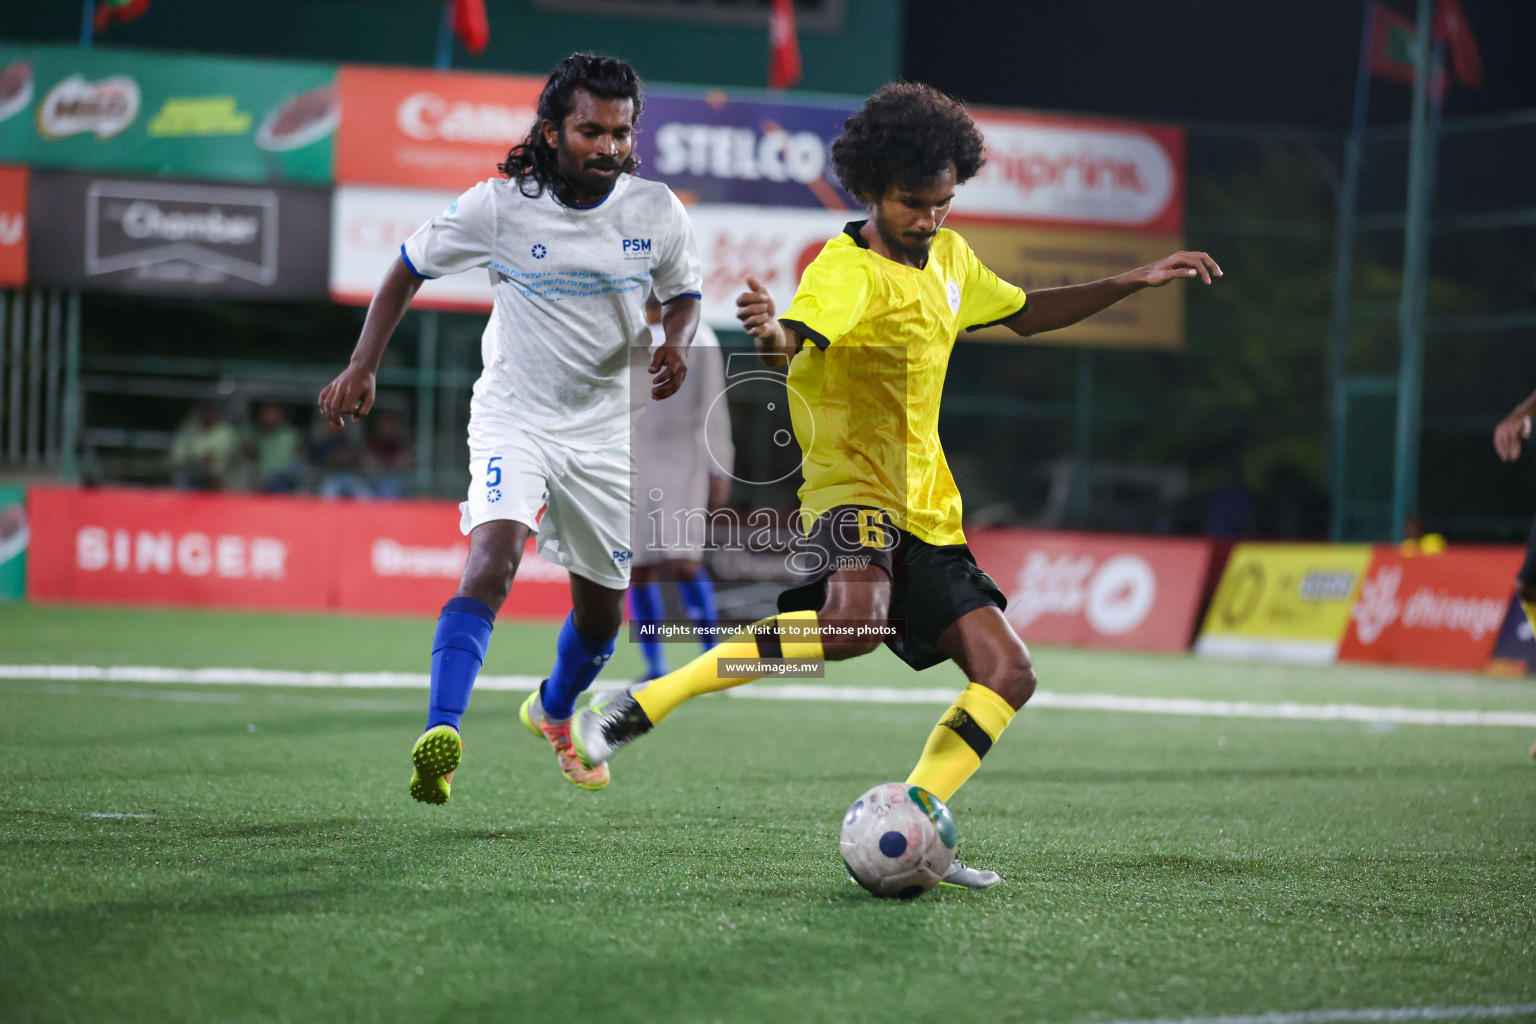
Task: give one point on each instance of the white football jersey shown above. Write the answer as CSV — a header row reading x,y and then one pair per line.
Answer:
x,y
569,286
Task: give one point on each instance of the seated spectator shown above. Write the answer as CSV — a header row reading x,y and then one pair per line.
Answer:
x,y
388,457
276,445
336,457
202,450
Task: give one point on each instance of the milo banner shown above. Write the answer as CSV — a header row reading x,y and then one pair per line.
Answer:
x,y
1284,602
177,238
15,534
191,117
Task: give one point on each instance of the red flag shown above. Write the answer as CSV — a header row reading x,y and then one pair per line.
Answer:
x,y
117,12
1452,29
1391,54
783,46
470,24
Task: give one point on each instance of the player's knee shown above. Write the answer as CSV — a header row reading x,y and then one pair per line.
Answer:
x,y
841,649
843,614
1011,678
489,581
598,622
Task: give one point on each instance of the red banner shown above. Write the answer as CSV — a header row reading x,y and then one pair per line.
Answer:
x,y
13,227
238,551
1086,590
429,129
1434,611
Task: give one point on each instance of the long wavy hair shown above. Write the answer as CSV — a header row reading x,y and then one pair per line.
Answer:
x,y
533,162
906,133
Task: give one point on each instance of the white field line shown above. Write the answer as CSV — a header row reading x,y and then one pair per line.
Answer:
x,y
1405,1013
798,691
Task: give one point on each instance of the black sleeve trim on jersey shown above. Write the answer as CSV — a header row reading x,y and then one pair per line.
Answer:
x,y
805,332
411,266
1004,320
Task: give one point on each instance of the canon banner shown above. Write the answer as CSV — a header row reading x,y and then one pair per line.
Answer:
x,y
1077,172
13,227
1083,590
128,235
368,224
429,129
237,551
1433,611
191,117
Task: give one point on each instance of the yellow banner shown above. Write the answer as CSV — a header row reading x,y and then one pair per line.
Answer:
x,y
1044,258
1284,602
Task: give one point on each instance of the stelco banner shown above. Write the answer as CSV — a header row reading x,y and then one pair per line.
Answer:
x,y
430,129
1084,590
1434,611
13,227
126,235
237,551
1077,172
1284,602
191,117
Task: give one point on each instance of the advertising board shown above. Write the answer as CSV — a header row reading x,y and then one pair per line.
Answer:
x,y
1085,590
127,546
180,116
13,227
177,238
1284,602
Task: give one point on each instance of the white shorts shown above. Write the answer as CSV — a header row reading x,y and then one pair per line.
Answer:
x,y
585,497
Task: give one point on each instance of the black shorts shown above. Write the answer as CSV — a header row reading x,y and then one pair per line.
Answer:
x,y
1528,567
932,585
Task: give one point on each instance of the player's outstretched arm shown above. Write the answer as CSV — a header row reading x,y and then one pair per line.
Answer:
x,y
351,393
1050,309
755,310
1513,429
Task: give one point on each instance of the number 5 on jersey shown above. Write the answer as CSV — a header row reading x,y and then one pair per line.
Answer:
x,y
493,479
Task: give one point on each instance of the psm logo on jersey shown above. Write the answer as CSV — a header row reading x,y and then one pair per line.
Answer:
x,y
637,248
622,557
539,252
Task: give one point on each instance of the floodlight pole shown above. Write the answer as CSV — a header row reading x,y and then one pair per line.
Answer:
x,y
1344,275
1410,315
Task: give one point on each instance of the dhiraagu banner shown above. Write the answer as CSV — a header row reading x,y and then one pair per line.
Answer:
x,y
14,538
186,117
1284,602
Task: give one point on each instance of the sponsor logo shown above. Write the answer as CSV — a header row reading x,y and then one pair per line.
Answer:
x,y
229,556
1426,608
428,117
181,232
742,154
13,228
1326,585
199,116
622,557
15,88
300,120
75,106
952,292
637,248
389,557
1114,596
539,252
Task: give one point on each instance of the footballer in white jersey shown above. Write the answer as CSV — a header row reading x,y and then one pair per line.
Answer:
x,y
573,242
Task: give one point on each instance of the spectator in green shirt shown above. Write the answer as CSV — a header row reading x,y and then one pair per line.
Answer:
x,y
202,451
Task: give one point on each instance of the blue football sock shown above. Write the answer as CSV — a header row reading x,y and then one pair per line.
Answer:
x,y
645,606
578,660
698,597
458,651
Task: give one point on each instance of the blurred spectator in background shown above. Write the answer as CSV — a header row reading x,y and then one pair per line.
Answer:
x,y
278,449
388,458
1232,514
336,457
202,450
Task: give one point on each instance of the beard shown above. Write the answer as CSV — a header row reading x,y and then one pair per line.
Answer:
x,y
911,245
583,178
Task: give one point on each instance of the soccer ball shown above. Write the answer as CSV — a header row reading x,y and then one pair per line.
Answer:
x,y
898,840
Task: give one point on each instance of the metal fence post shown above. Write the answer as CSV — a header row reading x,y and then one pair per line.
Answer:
x,y
426,403
69,465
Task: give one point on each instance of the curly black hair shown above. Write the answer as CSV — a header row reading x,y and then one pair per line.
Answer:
x,y
906,134
533,162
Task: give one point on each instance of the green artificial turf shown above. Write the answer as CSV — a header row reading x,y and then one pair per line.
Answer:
x,y
263,862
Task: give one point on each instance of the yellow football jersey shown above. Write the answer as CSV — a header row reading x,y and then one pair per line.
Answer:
x,y
865,398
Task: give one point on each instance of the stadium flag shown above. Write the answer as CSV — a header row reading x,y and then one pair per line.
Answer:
x,y
1452,29
1391,48
470,24
118,12
783,46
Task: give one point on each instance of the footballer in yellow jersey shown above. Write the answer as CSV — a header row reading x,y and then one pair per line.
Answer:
x,y
868,338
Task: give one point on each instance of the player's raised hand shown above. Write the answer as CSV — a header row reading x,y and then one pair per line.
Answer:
x,y
669,368
1180,266
350,394
754,308
1508,435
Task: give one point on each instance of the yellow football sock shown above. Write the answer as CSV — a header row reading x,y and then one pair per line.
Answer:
x,y
790,635
961,739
